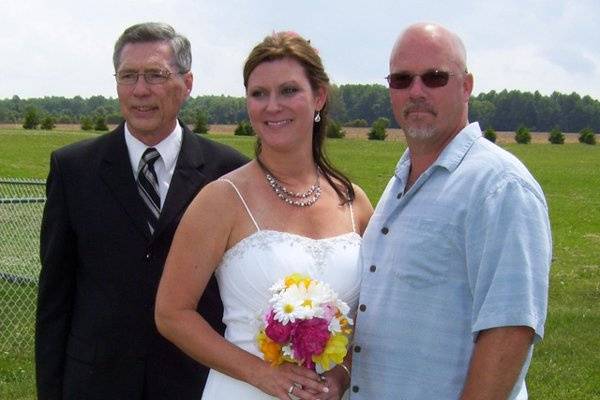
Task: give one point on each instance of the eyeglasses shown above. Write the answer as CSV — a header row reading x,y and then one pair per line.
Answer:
x,y
151,77
432,79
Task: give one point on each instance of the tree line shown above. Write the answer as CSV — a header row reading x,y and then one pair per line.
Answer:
x,y
350,105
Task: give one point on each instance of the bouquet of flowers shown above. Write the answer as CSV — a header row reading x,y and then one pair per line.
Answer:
x,y
306,324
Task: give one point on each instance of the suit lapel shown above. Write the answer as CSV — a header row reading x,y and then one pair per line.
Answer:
x,y
116,173
186,182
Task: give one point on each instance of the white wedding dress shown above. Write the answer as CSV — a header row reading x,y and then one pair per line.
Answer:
x,y
253,265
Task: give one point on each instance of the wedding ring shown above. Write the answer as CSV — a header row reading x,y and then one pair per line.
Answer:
x,y
291,389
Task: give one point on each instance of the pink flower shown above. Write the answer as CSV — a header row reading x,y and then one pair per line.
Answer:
x,y
329,311
277,331
309,338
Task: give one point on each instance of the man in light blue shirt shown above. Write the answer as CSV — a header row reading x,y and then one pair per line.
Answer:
x,y
457,254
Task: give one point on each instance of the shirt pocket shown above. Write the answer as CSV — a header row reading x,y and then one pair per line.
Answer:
x,y
427,251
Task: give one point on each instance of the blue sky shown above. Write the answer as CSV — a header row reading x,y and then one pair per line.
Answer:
x,y
64,47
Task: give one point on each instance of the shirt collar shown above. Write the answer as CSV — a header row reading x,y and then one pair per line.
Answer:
x,y
450,157
168,148
458,147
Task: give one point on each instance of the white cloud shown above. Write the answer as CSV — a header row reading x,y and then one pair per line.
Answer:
x,y
64,47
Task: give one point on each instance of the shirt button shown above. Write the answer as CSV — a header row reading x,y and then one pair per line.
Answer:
x,y
355,389
357,349
148,255
372,268
362,308
399,195
385,230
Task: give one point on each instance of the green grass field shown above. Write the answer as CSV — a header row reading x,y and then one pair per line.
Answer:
x,y
566,364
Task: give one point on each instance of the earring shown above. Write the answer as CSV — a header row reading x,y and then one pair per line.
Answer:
x,y
318,117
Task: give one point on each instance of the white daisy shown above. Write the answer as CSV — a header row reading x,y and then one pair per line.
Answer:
x,y
287,351
318,294
342,306
278,286
288,304
334,325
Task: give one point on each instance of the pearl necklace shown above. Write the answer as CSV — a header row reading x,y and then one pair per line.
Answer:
x,y
305,199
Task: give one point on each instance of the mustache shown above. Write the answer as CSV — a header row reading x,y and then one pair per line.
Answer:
x,y
418,107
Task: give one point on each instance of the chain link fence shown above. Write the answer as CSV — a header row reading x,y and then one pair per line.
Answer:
x,y
21,205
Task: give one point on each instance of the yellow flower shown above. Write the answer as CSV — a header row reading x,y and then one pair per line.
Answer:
x,y
296,279
270,349
334,353
345,326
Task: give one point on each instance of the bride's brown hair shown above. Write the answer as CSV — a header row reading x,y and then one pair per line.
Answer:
x,y
289,44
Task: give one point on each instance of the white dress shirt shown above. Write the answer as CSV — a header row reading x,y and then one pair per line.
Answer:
x,y
168,149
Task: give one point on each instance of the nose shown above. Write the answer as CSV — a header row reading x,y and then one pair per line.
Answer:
x,y
273,104
416,88
141,87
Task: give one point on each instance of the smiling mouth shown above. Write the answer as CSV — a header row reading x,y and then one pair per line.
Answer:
x,y
276,124
144,108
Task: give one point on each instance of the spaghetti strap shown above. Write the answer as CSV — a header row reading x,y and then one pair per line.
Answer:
x,y
246,205
352,217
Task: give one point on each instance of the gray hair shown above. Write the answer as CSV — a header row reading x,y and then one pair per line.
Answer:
x,y
156,32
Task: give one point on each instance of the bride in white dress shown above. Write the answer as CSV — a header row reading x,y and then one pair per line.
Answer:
x,y
287,211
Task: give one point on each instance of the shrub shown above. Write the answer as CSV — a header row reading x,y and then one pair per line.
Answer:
x,y
244,129
490,134
114,118
522,136
334,130
357,123
32,118
587,136
556,136
48,123
377,131
100,123
86,124
201,122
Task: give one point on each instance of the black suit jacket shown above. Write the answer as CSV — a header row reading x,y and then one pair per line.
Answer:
x,y
95,332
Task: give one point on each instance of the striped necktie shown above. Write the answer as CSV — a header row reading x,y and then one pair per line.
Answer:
x,y
147,184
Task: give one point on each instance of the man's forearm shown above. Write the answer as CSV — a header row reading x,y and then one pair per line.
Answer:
x,y
497,360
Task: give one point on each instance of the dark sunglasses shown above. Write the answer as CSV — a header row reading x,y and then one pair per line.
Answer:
x,y
432,79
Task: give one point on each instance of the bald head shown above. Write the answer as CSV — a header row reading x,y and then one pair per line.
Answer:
x,y
430,98
435,36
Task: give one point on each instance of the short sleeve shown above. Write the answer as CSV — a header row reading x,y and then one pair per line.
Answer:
x,y
508,251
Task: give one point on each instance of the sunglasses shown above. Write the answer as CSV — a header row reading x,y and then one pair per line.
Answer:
x,y
432,79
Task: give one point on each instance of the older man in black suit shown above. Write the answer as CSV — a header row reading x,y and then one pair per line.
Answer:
x,y
113,205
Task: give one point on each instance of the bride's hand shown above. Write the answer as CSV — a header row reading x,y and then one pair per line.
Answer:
x,y
291,379
337,380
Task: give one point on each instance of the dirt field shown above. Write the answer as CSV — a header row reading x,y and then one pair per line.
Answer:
x,y
351,133
397,134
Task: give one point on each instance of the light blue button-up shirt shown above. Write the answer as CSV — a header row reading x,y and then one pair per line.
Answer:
x,y
466,248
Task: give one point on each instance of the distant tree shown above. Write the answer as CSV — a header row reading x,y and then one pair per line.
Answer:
x,y
64,119
86,124
377,131
335,104
32,118
100,123
490,134
334,130
244,128
587,136
48,123
114,118
482,111
357,123
201,122
556,136
522,136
